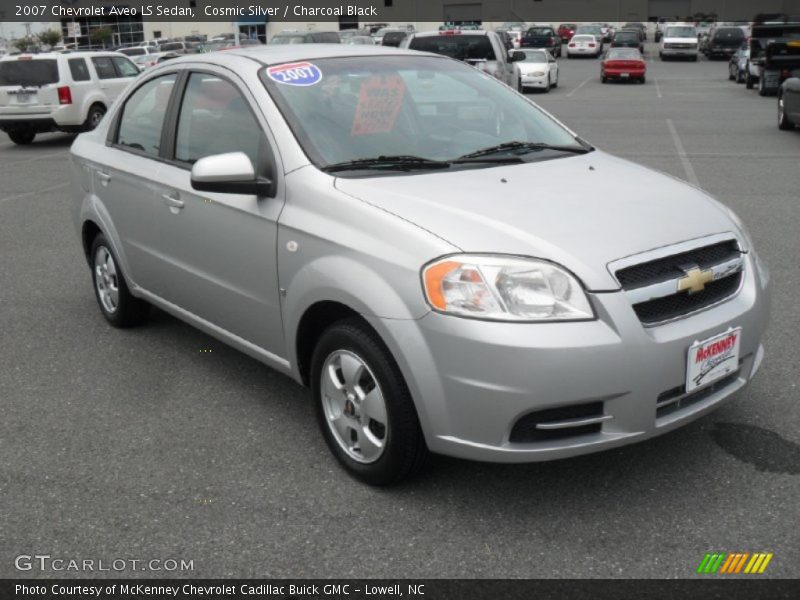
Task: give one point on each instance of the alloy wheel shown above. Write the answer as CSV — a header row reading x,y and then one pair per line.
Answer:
x,y
106,279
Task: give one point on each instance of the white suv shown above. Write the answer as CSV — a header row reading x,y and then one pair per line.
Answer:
x,y
59,92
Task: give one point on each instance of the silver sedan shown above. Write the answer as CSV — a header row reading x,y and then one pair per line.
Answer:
x,y
414,241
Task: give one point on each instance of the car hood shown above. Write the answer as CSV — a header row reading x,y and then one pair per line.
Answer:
x,y
581,211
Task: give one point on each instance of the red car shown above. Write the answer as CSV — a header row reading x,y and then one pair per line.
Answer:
x,y
566,31
623,64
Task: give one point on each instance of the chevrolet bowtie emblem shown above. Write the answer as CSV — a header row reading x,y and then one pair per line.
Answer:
x,y
695,280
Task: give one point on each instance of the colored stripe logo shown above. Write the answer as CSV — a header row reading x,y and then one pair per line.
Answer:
x,y
734,563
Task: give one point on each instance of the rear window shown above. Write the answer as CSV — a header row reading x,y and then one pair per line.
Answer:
x,y
732,34
627,36
462,47
133,51
623,54
79,69
28,72
540,31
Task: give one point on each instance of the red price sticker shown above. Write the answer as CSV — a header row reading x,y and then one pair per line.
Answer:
x,y
379,101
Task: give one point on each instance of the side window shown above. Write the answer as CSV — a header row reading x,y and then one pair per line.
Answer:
x,y
143,115
79,69
104,67
125,68
215,119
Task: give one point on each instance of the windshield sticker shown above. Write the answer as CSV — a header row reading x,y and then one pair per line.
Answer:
x,y
301,74
379,102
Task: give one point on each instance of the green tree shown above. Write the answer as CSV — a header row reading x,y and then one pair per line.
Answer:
x,y
49,37
22,43
99,36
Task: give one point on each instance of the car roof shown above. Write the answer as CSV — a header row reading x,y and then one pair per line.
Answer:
x,y
60,54
277,54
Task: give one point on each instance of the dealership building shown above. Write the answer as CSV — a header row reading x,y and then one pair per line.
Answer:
x,y
424,14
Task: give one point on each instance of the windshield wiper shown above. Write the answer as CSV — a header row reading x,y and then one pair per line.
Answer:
x,y
522,148
400,162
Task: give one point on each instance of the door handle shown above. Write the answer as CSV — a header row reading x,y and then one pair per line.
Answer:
x,y
103,177
172,201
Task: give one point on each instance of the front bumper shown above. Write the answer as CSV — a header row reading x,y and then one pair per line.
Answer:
x,y
679,52
535,82
473,380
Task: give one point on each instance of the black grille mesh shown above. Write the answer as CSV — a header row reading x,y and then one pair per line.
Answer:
x,y
525,431
671,307
669,267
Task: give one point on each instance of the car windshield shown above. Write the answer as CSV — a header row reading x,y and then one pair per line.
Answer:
x,y
680,32
462,47
28,72
534,56
422,109
288,39
729,34
133,51
623,54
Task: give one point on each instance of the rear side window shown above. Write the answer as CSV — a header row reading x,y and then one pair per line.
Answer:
x,y
79,69
462,47
215,119
104,67
143,115
124,67
28,72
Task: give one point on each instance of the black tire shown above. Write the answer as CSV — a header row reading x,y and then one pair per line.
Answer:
x,y
603,79
643,79
94,116
762,88
731,76
749,81
548,86
520,87
130,311
739,76
555,85
784,123
404,452
22,137
661,56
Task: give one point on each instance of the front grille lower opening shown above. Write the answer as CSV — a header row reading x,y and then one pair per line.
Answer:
x,y
525,430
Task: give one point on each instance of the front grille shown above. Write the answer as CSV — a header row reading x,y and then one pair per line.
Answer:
x,y
652,286
676,305
525,430
669,267
666,403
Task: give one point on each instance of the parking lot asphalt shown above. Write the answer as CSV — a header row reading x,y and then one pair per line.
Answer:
x,y
159,442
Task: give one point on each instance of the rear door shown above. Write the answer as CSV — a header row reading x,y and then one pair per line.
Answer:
x,y
125,183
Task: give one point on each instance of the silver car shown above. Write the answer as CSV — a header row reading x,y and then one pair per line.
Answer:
x,y
413,240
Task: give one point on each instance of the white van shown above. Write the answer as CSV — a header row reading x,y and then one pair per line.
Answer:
x,y
679,41
59,92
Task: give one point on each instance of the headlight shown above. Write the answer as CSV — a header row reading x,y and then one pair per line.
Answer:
x,y
504,288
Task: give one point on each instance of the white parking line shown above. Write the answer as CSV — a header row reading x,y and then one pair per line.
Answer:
x,y
33,193
580,85
691,176
658,88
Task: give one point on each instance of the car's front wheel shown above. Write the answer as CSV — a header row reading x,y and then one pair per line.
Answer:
x,y
22,137
364,407
93,118
118,305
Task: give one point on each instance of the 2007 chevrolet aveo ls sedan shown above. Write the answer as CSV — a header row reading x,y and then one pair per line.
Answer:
x,y
420,245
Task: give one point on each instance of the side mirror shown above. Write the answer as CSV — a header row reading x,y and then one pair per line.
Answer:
x,y
516,56
231,173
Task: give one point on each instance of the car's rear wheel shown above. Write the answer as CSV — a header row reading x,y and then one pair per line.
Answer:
x,y
364,408
93,118
762,87
783,119
118,305
22,137
643,79
749,81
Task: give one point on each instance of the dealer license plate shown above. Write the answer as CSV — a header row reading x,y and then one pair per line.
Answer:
x,y
624,75
712,359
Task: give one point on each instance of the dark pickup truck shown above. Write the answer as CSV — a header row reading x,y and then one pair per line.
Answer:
x,y
542,37
775,54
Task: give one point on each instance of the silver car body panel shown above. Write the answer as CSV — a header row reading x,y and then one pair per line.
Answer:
x,y
361,242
